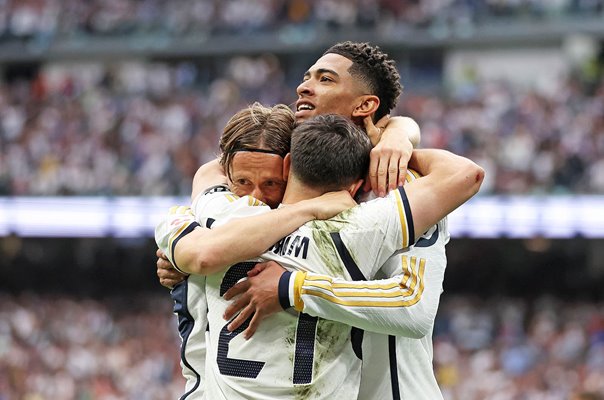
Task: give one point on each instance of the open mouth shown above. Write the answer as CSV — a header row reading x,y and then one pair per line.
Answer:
x,y
304,107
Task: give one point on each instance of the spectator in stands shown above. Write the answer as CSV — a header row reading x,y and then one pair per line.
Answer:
x,y
95,130
62,348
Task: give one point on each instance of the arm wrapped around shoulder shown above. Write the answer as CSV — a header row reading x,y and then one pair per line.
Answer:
x,y
448,181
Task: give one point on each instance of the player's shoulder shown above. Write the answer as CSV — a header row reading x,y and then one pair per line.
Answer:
x,y
219,201
222,193
366,216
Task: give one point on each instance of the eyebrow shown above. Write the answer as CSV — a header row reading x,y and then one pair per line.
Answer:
x,y
323,71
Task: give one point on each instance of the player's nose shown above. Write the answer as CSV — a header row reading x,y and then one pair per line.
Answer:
x,y
257,193
304,88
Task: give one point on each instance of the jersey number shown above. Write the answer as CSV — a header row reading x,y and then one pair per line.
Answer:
x,y
305,339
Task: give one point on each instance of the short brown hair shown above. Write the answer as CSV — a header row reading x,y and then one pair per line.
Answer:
x,y
257,128
329,152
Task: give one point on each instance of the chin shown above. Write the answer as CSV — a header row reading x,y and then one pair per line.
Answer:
x,y
299,120
306,116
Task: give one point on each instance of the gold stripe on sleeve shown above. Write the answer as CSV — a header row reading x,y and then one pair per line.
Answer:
x,y
311,279
409,273
356,294
403,219
355,303
364,285
298,282
319,278
371,299
180,210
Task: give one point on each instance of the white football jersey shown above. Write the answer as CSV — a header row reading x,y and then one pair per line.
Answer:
x,y
397,313
190,306
294,355
396,308
397,364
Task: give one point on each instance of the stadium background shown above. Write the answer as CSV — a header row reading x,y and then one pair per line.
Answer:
x,y
107,107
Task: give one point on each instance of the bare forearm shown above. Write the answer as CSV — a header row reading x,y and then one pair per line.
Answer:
x,y
391,151
206,251
449,181
406,125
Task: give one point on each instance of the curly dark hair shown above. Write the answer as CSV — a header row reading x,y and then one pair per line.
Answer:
x,y
376,69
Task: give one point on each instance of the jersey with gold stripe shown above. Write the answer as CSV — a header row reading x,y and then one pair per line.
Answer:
x,y
189,296
396,307
406,341
292,354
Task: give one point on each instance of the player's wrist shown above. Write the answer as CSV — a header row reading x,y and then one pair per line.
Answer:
x,y
289,290
300,212
309,209
403,127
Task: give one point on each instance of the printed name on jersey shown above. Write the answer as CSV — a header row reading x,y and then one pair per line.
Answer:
x,y
292,244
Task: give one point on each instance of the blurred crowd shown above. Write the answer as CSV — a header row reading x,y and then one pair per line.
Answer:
x,y
46,19
509,349
528,141
56,347
143,128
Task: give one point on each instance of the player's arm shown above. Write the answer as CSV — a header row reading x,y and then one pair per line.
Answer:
x,y
194,249
411,211
208,175
404,304
449,181
394,139
394,306
168,276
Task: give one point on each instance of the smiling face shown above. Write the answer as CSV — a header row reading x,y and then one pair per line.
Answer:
x,y
259,175
329,88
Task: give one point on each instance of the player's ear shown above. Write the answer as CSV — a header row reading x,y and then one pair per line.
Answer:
x,y
368,105
287,162
354,187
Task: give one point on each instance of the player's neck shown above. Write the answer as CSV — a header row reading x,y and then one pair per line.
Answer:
x,y
297,191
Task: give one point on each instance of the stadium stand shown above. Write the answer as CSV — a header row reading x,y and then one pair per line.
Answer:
x,y
142,129
98,99
60,347
45,19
